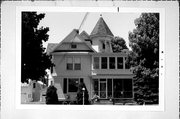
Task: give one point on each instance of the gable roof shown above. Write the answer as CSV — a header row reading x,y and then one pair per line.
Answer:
x,y
72,37
51,47
101,28
84,35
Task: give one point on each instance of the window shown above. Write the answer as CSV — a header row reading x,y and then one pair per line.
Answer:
x,y
77,64
73,46
29,95
69,63
96,63
127,66
109,87
73,84
120,62
104,62
73,63
127,88
34,85
112,62
96,86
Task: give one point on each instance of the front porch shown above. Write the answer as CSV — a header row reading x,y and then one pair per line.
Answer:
x,y
112,88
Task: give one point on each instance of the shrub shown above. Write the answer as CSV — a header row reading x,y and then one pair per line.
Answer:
x,y
51,95
80,94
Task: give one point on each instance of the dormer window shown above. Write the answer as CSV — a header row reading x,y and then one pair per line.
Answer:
x,y
73,46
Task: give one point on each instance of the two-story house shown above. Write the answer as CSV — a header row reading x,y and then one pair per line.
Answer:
x,y
80,57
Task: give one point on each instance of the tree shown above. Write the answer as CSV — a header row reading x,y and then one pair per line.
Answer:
x,y
118,44
144,58
80,94
51,95
34,58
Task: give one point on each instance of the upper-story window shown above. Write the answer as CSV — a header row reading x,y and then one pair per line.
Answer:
x,y
119,62
96,63
127,66
77,64
69,64
111,62
73,46
73,63
103,62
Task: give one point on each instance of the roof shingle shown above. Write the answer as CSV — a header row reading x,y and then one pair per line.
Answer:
x,y
101,29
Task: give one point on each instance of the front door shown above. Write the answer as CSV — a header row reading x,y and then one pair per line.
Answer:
x,y
103,89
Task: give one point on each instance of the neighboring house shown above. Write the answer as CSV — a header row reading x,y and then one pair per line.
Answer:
x,y
26,93
32,92
89,59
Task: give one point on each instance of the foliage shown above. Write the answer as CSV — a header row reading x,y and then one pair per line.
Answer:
x,y
51,95
144,58
34,59
80,94
118,44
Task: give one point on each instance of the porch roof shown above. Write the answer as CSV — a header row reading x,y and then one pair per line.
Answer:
x,y
121,76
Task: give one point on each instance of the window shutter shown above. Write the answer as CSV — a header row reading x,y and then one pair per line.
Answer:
x,y
65,85
81,80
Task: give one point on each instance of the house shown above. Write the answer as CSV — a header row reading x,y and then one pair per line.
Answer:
x,y
32,92
81,57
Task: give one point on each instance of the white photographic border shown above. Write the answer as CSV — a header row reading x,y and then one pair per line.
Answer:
x,y
159,107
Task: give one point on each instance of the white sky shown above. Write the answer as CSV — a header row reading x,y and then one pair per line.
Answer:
x,y
62,23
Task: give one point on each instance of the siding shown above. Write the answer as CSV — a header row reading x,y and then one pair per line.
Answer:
x,y
60,66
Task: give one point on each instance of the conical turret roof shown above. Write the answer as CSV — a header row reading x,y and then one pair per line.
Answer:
x,y
101,29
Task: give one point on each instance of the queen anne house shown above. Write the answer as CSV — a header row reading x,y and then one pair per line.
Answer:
x,y
80,57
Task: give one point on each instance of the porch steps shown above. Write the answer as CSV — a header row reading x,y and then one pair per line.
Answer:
x,y
103,102
115,102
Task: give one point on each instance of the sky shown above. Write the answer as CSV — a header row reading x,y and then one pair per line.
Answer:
x,y
62,23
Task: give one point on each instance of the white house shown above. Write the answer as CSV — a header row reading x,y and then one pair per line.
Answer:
x,y
33,91
80,57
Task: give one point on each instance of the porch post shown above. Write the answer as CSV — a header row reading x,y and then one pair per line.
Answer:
x,y
112,88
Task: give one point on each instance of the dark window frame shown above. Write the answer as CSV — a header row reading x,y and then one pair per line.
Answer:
x,y
104,64
66,85
112,65
73,46
119,63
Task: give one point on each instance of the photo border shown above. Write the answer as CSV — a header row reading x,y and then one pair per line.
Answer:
x,y
159,107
